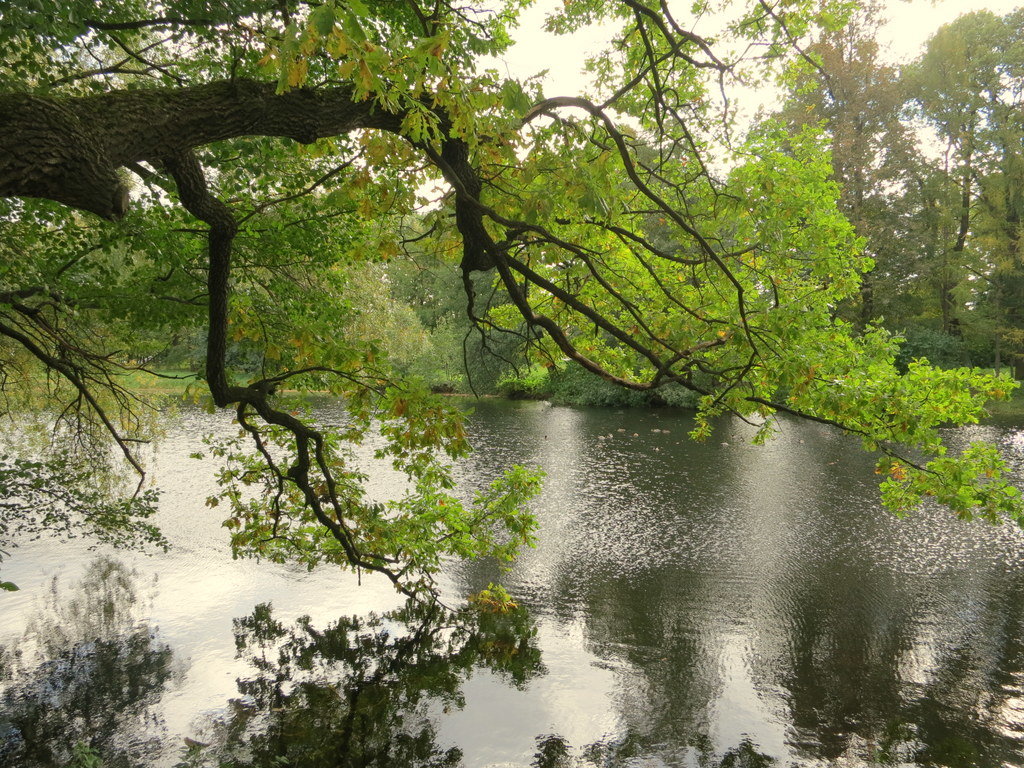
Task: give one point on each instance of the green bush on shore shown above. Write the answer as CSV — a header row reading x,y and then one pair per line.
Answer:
x,y
572,385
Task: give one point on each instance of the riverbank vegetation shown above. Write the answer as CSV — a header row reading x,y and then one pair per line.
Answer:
x,y
244,190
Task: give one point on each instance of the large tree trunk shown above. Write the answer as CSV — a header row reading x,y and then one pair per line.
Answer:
x,y
948,303
69,149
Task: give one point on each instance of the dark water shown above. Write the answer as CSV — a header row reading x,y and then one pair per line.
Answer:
x,y
687,605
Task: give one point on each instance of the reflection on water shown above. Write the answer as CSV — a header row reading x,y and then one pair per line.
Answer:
x,y
360,692
85,677
760,597
689,605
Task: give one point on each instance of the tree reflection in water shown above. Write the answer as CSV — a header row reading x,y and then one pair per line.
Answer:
x,y
366,691
87,672
361,691
634,749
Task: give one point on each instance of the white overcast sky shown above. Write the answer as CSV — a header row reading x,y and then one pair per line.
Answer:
x,y
911,24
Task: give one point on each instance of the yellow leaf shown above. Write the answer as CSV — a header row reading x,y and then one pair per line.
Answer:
x,y
297,73
338,45
365,76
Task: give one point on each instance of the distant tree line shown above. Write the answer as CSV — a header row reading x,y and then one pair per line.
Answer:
x,y
929,158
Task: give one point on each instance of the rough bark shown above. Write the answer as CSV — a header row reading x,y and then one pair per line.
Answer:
x,y
69,149
196,197
454,161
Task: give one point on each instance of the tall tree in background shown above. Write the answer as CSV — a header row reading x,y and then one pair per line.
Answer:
x,y
1001,182
968,87
858,99
928,163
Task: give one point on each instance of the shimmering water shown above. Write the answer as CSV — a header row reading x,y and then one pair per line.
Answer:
x,y
688,605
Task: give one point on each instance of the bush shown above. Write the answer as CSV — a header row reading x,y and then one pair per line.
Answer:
x,y
531,383
573,385
940,349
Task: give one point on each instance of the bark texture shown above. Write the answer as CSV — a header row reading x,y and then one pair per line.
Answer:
x,y
69,149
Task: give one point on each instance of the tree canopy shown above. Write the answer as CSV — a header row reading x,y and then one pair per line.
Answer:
x,y
226,166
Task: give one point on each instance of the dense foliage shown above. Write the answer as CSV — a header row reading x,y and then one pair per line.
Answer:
x,y
931,171
249,174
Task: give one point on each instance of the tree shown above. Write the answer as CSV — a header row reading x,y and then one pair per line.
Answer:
x,y
123,125
933,217
859,99
967,86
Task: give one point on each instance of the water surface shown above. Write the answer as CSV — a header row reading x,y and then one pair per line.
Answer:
x,y
688,605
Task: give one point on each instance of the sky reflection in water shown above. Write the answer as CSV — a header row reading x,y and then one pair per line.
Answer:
x,y
704,605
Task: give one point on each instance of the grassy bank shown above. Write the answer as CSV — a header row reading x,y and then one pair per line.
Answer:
x,y
164,382
570,386
1008,410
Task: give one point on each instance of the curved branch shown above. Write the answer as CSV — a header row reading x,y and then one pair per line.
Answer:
x,y
70,149
163,21
74,377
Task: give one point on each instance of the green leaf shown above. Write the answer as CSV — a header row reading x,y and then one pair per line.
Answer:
x,y
353,27
322,19
514,98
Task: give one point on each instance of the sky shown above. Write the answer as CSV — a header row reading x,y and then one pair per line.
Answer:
x,y
912,23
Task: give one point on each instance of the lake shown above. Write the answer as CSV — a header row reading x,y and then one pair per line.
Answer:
x,y
714,604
